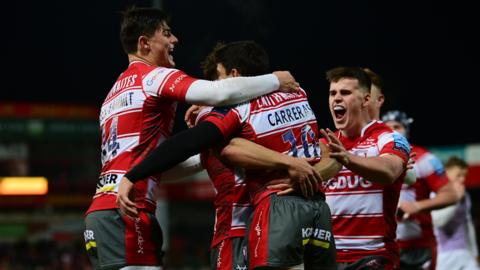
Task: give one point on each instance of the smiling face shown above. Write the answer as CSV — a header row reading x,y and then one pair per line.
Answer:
x,y
349,106
160,45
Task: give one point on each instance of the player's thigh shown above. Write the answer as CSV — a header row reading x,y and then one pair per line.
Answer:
x,y
275,232
319,242
229,254
114,241
104,239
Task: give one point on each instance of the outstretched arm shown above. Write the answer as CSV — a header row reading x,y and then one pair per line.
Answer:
x,y
165,156
445,196
239,89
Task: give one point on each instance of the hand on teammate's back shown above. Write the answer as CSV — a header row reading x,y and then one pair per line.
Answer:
x,y
302,176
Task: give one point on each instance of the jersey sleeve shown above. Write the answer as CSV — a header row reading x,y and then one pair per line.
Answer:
x,y
394,143
167,82
229,120
430,168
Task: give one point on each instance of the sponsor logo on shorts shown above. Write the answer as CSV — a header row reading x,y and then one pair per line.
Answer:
x,y
244,267
140,239
219,259
317,237
258,229
89,239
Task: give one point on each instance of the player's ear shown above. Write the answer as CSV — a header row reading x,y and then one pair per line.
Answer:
x,y
381,100
366,98
143,43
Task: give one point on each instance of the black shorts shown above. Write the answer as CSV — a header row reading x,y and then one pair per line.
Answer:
x,y
114,241
286,231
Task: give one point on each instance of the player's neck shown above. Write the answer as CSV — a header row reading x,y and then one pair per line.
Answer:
x,y
136,57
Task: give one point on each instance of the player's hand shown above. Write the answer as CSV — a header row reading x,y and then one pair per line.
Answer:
x,y
336,147
125,197
409,208
287,82
191,115
411,160
284,186
305,175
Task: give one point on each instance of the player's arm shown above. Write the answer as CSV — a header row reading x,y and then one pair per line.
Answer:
x,y
445,196
247,154
183,169
176,149
239,89
176,85
169,153
441,217
446,192
385,169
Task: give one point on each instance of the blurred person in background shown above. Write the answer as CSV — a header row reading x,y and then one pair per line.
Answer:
x,y
457,246
137,115
415,231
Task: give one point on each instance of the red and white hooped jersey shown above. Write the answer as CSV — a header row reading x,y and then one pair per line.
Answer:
x,y
364,212
232,205
417,230
136,116
283,122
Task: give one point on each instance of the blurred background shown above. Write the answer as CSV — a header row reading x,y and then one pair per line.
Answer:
x,y
62,57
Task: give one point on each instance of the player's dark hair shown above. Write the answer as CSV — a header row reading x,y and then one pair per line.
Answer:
x,y
456,161
138,22
248,57
334,75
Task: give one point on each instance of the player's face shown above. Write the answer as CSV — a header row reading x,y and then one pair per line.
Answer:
x,y
376,102
397,126
348,105
161,46
456,174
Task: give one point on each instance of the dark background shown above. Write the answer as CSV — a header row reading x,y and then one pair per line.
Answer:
x,y
69,51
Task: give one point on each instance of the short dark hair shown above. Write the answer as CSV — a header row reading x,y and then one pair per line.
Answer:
x,y
248,57
138,22
456,161
375,78
335,74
